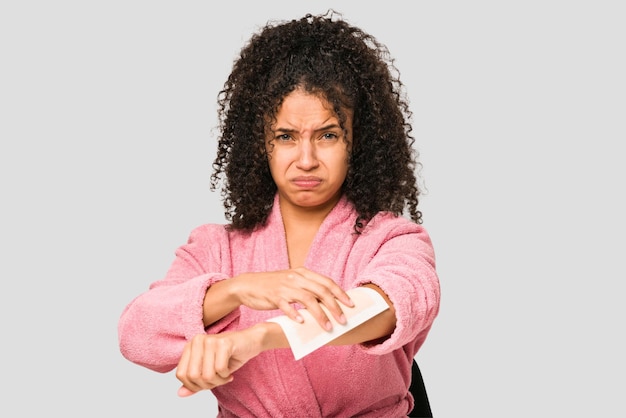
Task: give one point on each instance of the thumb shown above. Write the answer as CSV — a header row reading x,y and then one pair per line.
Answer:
x,y
183,392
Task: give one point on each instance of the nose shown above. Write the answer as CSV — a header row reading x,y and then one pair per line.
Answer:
x,y
307,158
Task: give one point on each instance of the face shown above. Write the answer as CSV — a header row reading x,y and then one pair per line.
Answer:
x,y
308,153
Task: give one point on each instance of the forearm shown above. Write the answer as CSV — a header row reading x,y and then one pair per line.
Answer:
x,y
377,327
219,301
269,336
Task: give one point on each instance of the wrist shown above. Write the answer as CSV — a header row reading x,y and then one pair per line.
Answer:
x,y
235,288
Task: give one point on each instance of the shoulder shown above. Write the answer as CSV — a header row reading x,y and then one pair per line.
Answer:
x,y
209,232
385,227
388,223
213,234
208,243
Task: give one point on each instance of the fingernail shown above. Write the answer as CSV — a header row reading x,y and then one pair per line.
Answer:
x,y
299,319
342,319
329,326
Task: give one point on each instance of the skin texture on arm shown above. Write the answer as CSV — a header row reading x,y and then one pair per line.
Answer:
x,y
209,361
277,290
377,327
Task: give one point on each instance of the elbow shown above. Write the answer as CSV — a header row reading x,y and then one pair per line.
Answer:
x,y
140,349
139,355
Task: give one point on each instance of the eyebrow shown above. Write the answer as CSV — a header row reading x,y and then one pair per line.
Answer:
x,y
323,128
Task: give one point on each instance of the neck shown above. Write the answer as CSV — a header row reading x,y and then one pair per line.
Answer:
x,y
301,226
305,217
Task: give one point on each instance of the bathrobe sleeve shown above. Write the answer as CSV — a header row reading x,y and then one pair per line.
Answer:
x,y
154,327
400,260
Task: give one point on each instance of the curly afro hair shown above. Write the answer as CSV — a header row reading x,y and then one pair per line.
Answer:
x,y
326,56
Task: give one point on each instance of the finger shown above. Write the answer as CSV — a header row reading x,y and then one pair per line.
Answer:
x,y
183,392
335,310
289,310
183,363
313,306
182,370
197,365
204,372
224,351
322,294
342,296
329,284
209,374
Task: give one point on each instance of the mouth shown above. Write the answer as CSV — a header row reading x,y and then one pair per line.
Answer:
x,y
306,182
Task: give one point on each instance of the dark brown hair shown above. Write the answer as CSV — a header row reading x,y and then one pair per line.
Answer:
x,y
327,56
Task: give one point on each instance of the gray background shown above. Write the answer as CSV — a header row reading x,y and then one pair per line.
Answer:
x,y
106,118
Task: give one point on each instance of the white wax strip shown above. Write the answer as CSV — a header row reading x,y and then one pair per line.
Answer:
x,y
308,336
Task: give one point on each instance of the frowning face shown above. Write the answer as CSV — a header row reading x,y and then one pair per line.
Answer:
x,y
308,152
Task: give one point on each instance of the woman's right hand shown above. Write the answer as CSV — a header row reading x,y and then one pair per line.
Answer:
x,y
280,289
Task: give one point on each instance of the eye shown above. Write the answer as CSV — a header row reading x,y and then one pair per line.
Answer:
x,y
329,136
283,137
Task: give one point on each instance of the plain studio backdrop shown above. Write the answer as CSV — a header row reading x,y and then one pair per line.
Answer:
x,y
107,117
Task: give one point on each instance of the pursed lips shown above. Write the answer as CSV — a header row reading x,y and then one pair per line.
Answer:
x,y
306,182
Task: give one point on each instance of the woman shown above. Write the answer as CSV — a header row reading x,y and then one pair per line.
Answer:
x,y
317,170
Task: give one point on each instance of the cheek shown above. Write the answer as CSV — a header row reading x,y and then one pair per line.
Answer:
x,y
277,162
344,160
271,163
341,167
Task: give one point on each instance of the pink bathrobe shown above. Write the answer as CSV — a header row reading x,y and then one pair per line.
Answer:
x,y
333,381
